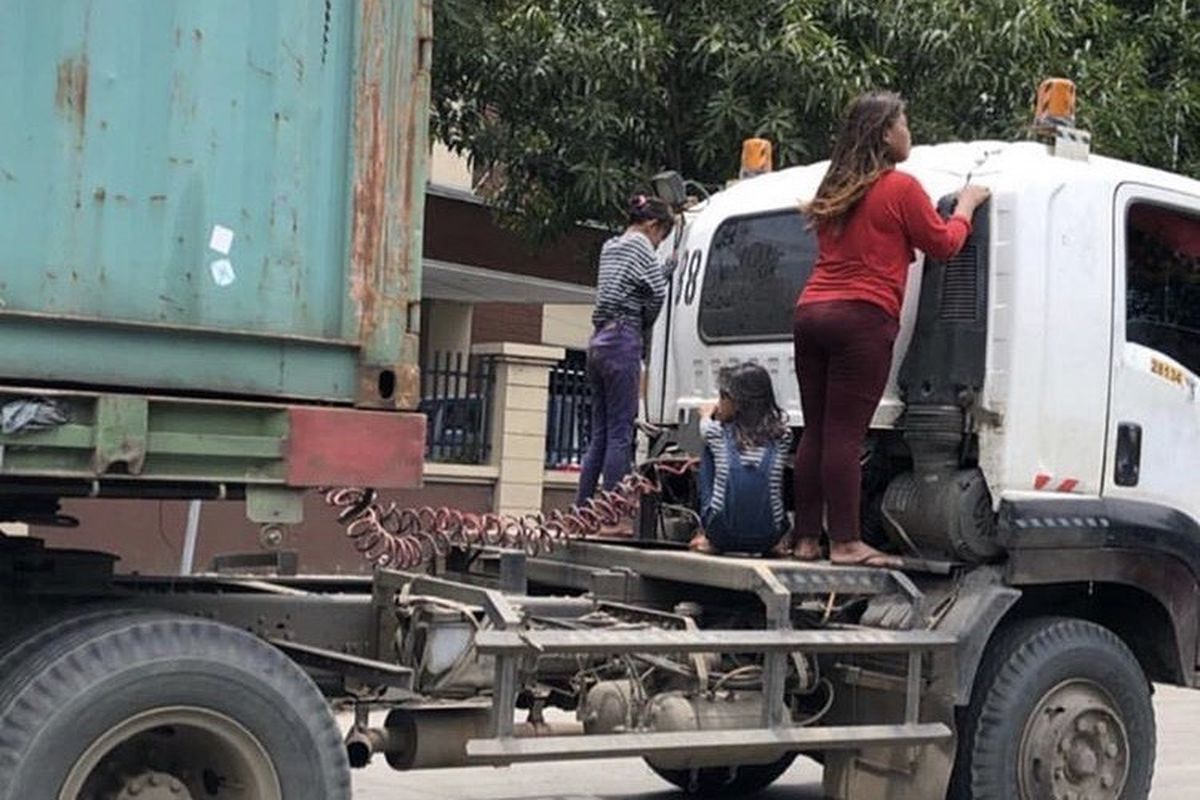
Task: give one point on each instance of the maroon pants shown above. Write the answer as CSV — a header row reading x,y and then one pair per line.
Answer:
x,y
843,355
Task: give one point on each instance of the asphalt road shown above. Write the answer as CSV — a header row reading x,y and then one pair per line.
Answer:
x,y
1177,772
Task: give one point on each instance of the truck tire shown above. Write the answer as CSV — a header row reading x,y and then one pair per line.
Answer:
x,y
111,703
1060,709
726,781
33,634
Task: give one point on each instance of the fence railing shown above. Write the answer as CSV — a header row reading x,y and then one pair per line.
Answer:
x,y
568,416
457,394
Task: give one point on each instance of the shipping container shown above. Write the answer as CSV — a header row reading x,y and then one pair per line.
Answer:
x,y
214,196
210,248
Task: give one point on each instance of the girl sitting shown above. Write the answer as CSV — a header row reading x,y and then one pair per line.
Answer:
x,y
741,472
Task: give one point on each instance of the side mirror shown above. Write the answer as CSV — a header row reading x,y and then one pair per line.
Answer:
x,y
669,187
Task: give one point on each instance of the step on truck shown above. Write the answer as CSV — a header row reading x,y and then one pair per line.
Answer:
x,y
211,248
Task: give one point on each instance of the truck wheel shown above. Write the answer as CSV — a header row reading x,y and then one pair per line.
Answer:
x,y
1060,709
725,781
34,634
147,704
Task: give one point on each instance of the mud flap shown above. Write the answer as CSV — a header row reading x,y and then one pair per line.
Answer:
x,y
890,773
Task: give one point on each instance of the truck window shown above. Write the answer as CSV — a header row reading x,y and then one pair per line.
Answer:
x,y
756,267
1162,297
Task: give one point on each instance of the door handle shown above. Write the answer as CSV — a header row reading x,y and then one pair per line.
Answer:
x,y
1128,468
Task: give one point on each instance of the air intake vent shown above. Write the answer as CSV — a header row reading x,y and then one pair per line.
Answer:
x,y
960,288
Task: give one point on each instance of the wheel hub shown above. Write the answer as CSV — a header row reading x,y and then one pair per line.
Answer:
x,y
152,785
174,753
1081,761
1074,747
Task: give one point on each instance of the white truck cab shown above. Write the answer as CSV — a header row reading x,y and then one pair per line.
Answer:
x,y
1055,359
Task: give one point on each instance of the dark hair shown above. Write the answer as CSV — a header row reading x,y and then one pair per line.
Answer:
x,y
648,208
859,157
757,418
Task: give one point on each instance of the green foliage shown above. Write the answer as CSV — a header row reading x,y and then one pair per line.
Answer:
x,y
571,103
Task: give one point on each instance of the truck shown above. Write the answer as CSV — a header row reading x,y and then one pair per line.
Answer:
x,y
211,255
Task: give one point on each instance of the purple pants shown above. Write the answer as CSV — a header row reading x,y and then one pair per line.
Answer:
x,y
614,371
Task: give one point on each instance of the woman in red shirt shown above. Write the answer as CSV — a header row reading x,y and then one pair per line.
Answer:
x,y
869,219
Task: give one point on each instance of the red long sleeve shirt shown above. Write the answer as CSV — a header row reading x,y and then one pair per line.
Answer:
x,y
868,258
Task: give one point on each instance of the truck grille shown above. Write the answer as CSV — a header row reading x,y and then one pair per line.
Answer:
x,y
960,287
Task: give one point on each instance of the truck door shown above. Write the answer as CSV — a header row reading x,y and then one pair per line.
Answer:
x,y
1153,446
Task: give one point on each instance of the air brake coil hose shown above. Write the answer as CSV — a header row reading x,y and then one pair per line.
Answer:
x,y
405,538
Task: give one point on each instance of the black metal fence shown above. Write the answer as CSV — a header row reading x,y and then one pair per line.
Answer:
x,y
457,393
569,414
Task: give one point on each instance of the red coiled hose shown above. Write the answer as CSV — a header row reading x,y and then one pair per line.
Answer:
x,y
406,538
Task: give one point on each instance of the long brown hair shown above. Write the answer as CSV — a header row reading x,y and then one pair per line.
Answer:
x,y
757,418
860,156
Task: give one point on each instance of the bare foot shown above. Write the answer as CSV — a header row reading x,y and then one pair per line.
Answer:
x,y
807,549
858,553
700,544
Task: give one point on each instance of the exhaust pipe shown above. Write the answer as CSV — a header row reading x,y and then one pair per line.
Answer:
x,y
432,738
363,743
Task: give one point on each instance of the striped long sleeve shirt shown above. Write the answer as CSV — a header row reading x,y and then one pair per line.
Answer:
x,y
632,283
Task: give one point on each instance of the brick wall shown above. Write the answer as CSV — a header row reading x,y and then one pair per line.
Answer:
x,y
507,322
557,498
466,233
148,535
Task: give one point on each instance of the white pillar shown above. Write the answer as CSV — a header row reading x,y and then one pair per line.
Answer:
x,y
519,422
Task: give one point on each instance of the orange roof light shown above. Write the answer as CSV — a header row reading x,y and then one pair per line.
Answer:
x,y
1055,103
756,157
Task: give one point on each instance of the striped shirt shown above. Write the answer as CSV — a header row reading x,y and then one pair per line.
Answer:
x,y
714,438
632,283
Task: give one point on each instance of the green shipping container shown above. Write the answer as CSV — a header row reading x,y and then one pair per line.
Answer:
x,y
214,196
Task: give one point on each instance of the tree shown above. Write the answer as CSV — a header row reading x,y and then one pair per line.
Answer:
x,y
573,102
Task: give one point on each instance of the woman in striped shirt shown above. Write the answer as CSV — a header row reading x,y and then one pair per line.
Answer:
x,y
629,294
741,471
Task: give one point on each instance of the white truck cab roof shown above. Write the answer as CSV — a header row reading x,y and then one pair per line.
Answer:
x,y
985,161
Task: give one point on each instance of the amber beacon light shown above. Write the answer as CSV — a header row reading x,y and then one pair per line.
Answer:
x,y
1055,103
756,157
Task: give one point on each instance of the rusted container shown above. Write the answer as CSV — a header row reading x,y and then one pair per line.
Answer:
x,y
214,196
